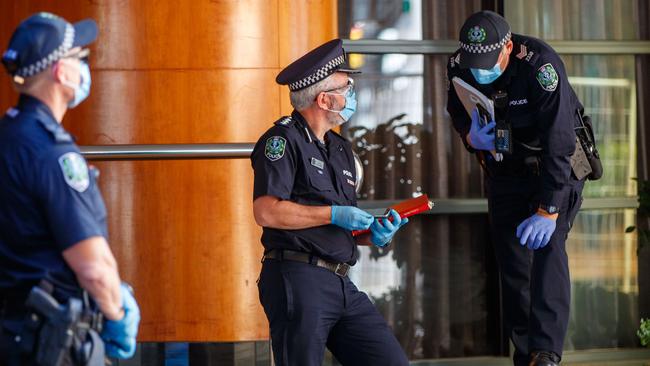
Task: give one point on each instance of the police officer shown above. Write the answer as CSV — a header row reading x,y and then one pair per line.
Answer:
x,y
304,198
533,196
52,217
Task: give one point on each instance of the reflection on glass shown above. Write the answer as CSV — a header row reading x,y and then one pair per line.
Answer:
x,y
603,264
575,19
380,19
437,285
607,88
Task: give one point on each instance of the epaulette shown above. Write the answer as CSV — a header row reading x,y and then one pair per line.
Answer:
x,y
286,121
524,53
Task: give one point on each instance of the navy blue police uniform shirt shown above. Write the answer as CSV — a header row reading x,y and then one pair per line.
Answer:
x,y
291,164
542,110
49,199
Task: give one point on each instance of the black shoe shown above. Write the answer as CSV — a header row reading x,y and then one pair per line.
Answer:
x,y
544,358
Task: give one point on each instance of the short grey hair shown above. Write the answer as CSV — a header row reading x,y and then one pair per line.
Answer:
x,y
303,98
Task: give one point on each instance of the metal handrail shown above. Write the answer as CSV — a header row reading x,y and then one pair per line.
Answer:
x,y
444,47
244,150
452,206
167,151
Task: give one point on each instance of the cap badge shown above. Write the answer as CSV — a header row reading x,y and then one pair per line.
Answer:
x,y
476,34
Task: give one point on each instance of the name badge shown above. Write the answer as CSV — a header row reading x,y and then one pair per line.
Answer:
x,y
317,163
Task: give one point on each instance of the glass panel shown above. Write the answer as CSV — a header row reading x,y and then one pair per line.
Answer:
x,y
437,287
403,134
403,20
607,88
603,263
380,19
575,19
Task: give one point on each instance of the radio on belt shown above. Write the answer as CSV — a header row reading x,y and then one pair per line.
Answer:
x,y
503,130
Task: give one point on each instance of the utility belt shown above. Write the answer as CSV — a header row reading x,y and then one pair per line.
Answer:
x,y
512,167
55,333
340,269
585,160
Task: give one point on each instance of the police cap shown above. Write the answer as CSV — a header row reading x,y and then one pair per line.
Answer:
x,y
41,40
482,38
315,66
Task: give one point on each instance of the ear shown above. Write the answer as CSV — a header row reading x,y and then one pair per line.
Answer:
x,y
322,101
509,47
58,71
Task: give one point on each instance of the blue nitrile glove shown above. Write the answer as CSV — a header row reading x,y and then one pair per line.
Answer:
x,y
481,138
351,218
382,231
536,231
119,335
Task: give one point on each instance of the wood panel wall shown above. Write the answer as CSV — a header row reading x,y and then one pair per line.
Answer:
x,y
185,72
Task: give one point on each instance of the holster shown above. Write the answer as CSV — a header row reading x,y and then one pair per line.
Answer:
x,y
585,161
54,333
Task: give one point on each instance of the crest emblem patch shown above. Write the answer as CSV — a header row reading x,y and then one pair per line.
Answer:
x,y
476,34
547,77
75,171
275,146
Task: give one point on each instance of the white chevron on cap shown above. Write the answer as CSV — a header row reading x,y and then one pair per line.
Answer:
x,y
45,62
319,74
522,53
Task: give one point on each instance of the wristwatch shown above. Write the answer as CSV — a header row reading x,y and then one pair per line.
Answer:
x,y
550,209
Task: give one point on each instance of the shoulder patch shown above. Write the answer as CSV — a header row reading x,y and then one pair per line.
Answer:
x,y
284,121
275,146
547,77
75,171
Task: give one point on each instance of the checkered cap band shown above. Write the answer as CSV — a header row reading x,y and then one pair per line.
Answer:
x,y
57,54
319,75
477,48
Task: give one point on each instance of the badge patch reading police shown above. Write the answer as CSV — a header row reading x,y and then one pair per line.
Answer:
x,y
75,171
275,148
547,77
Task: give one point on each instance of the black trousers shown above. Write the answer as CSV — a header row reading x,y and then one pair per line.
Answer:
x,y
535,285
310,308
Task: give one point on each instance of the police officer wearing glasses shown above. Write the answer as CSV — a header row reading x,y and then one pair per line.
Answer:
x,y
533,192
61,301
304,198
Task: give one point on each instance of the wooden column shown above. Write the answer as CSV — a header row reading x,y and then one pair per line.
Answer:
x,y
185,72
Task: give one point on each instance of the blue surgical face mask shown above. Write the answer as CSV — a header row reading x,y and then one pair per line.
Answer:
x,y
82,89
350,105
487,76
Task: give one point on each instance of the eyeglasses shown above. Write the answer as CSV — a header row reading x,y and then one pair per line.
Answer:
x,y
81,55
347,88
